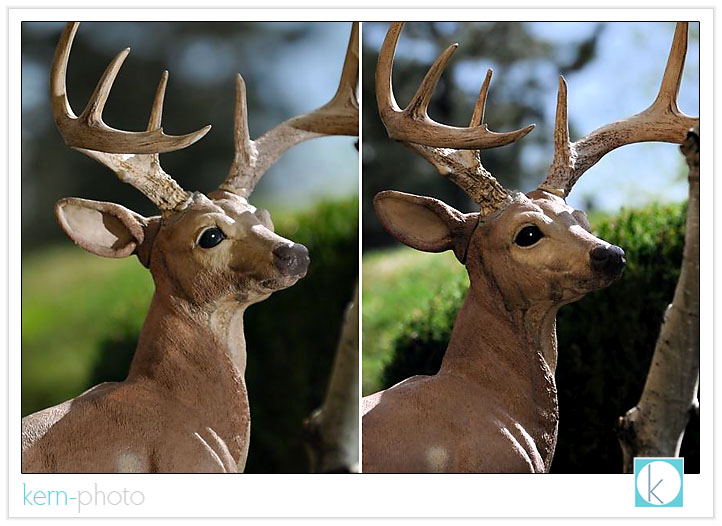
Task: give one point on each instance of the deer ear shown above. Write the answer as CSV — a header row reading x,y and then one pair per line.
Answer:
x,y
105,229
424,223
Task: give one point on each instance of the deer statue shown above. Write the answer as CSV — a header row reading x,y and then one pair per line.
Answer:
x,y
492,407
183,406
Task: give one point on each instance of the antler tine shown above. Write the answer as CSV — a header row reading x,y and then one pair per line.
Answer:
x,y
241,133
156,111
672,78
337,117
563,160
143,171
241,179
413,123
662,121
385,99
93,113
58,72
89,131
133,156
419,105
453,151
345,102
477,117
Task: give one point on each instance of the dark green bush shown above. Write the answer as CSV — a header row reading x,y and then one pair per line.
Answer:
x,y
606,341
291,338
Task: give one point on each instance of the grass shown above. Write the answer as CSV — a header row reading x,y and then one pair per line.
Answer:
x,y
397,283
71,302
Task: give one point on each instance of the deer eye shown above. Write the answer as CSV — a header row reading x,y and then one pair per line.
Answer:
x,y
210,238
528,235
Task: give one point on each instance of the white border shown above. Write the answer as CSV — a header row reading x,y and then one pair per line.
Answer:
x,y
359,284
364,495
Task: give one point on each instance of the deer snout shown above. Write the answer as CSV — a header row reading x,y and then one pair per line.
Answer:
x,y
607,259
291,260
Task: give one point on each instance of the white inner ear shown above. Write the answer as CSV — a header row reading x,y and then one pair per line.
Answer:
x,y
93,226
418,223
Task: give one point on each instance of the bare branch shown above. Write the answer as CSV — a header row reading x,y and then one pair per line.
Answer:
x,y
332,430
655,426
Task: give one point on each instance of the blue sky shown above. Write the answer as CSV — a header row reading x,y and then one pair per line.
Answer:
x,y
623,80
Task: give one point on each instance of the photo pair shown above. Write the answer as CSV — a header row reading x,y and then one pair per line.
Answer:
x,y
390,249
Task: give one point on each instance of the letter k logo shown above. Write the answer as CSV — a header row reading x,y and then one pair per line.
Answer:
x,y
658,481
650,493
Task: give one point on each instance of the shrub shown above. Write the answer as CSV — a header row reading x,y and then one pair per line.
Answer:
x,y
606,341
292,336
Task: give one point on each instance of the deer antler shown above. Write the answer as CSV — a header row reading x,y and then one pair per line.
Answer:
x,y
662,121
442,145
133,156
338,117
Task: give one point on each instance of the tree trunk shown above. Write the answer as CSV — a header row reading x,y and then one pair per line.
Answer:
x,y
332,431
655,426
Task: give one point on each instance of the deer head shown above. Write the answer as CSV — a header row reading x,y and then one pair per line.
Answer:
x,y
531,248
200,248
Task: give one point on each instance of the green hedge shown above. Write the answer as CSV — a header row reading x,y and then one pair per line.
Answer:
x,y
291,337
606,341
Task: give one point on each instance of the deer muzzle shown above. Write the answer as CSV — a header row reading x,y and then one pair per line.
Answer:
x,y
291,260
608,260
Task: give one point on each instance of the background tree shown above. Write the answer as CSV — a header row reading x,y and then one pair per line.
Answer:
x,y
332,431
655,426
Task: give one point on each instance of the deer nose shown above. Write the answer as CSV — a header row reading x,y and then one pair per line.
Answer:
x,y
291,260
607,259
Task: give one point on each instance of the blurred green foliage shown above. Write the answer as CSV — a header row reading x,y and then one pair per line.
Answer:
x,y
399,283
71,302
81,315
606,340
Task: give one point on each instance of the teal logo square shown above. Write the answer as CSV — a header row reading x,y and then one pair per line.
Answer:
x,y
658,482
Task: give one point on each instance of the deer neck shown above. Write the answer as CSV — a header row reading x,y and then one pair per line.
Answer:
x,y
489,333
197,355
511,353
